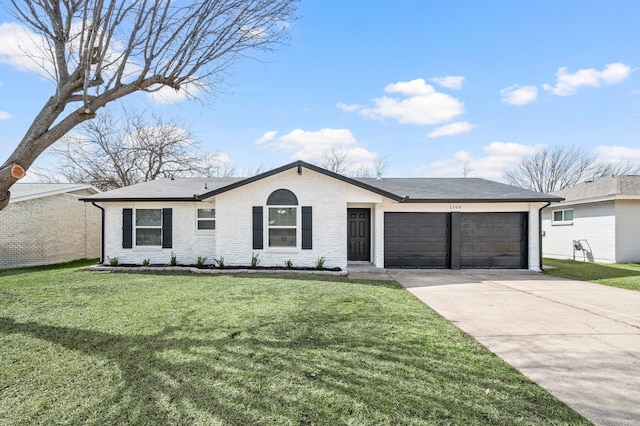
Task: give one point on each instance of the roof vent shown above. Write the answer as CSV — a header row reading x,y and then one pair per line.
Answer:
x,y
205,186
172,177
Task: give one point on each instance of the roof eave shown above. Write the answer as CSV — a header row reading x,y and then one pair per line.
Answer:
x,y
300,164
138,199
482,200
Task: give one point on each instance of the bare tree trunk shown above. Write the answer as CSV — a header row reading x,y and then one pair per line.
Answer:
x,y
173,44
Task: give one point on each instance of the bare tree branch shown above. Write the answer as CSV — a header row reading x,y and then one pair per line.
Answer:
x,y
112,152
553,169
337,160
97,51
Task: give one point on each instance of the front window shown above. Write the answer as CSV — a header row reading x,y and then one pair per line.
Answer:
x,y
282,219
148,227
206,219
283,223
563,216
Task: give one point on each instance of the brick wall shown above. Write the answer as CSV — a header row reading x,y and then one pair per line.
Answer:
x,y
47,230
188,243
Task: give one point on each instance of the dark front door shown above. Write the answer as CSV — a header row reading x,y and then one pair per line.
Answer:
x,y
359,234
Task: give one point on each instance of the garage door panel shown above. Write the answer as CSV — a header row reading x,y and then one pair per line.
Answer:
x,y
416,240
492,240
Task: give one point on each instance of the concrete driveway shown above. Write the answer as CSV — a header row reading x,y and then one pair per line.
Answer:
x,y
580,341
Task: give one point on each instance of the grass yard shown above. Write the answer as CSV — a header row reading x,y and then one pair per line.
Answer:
x,y
80,347
615,275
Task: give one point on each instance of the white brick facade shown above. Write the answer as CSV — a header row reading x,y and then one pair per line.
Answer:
x,y
329,198
46,230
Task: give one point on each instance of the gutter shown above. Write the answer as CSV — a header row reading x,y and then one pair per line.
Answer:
x,y
101,232
540,232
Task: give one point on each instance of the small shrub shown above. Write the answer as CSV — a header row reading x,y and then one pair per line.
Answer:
x,y
320,262
288,264
200,261
255,260
113,261
146,262
220,262
174,259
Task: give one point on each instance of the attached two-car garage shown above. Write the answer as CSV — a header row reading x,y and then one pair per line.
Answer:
x,y
455,240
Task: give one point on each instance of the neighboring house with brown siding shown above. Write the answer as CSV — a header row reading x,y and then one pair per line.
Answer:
x,y
602,216
45,223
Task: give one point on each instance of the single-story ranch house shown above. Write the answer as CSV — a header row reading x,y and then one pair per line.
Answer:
x,y
300,213
45,223
601,217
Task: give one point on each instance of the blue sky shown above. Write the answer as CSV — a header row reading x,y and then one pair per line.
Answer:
x,y
431,85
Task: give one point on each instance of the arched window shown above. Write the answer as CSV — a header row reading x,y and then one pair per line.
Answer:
x,y
282,218
282,197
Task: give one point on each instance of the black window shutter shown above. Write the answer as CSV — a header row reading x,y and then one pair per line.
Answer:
x,y
257,228
127,228
307,228
167,228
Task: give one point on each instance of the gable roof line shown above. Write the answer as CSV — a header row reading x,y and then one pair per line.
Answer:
x,y
306,165
53,189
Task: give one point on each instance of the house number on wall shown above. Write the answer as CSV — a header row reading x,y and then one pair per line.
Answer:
x,y
453,207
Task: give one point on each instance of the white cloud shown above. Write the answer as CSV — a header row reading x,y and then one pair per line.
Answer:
x,y
167,95
419,104
268,136
617,153
450,81
349,107
567,84
451,129
4,115
498,157
311,145
516,95
25,49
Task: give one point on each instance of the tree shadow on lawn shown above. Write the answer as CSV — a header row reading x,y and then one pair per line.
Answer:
x,y
277,374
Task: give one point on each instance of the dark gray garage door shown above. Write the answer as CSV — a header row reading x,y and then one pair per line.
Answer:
x,y
416,240
493,240
456,240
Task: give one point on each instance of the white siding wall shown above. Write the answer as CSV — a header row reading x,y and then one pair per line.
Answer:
x,y
627,231
595,223
188,243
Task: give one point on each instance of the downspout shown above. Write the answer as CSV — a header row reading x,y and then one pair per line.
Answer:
x,y
101,232
540,231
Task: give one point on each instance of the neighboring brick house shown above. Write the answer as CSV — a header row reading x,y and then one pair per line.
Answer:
x,y
602,216
301,212
46,223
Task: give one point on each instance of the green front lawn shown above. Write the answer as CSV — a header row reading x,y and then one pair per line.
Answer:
x,y
616,275
79,347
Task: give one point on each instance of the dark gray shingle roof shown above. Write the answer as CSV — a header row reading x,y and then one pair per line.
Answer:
x,y
398,189
180,189
456,189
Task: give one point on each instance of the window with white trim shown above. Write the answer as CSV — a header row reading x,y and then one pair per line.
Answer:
x,y
148,227
562,217
282,219
206,219
283,226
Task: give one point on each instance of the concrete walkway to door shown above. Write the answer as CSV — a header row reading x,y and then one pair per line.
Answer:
x,y
580,341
